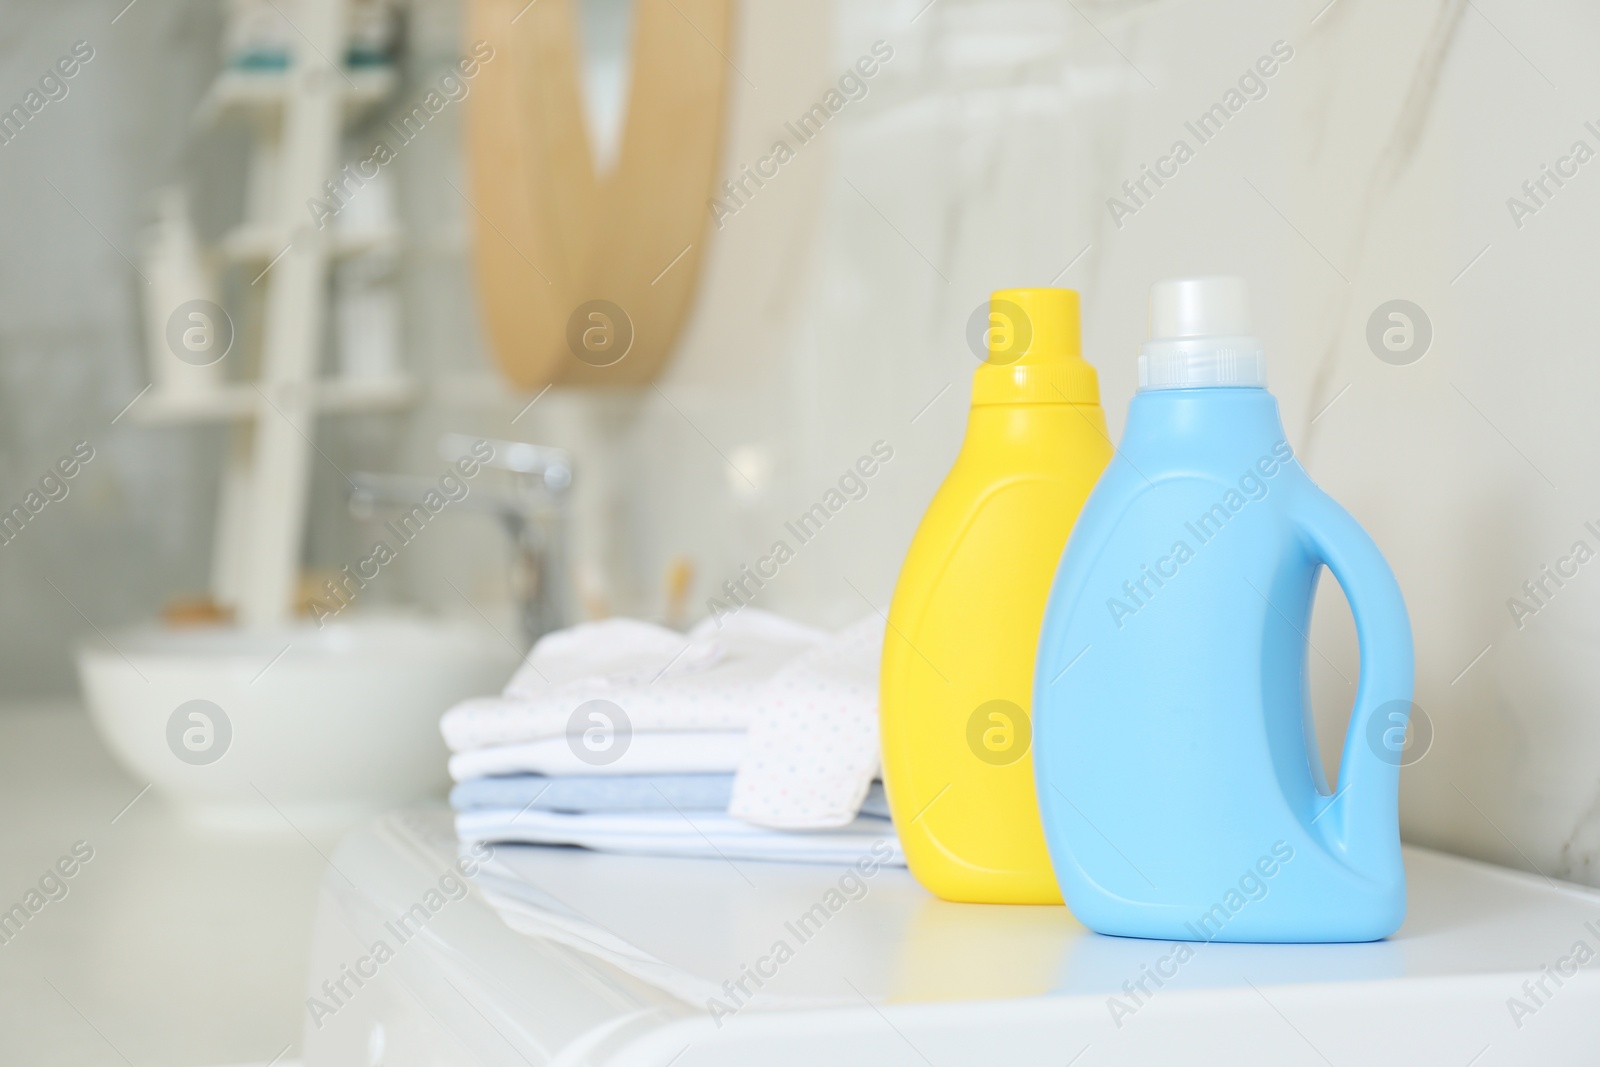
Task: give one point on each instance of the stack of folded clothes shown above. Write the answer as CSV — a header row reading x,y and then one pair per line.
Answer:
x,y
754,738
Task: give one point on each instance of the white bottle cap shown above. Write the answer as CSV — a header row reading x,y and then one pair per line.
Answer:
x,y
1200,336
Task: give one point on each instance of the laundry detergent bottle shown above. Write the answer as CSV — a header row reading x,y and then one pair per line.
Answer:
x,y
1178,774
964,624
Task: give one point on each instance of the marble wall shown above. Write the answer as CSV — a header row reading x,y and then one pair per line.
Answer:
x,y
1373,165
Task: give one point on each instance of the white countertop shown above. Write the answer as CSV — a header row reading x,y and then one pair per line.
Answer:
x,y
618,959
171,948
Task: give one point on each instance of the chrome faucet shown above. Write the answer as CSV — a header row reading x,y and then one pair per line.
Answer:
x,y
533,515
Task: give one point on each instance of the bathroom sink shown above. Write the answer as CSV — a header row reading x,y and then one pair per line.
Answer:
x,y
295,729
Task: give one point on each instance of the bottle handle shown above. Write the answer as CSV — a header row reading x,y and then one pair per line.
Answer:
x,y
1361,813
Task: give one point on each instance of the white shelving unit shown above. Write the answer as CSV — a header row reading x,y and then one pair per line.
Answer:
x,y
233,402
296,116
258,242
262,93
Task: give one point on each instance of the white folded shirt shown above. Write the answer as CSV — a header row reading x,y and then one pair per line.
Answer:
x,y
808,699
708,679
702,752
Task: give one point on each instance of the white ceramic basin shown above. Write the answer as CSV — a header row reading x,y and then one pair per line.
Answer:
x,y
297,729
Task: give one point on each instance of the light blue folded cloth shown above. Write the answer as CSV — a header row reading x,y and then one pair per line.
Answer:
x,y
703,835
595,793
614,793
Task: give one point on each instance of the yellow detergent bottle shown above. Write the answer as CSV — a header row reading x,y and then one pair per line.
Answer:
x,y
957,681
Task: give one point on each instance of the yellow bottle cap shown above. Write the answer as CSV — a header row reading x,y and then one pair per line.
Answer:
x,y
1035,351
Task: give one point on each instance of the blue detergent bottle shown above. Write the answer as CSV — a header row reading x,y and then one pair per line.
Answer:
x,y
1179,781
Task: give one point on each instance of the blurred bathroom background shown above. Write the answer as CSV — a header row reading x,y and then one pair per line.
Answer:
x,y
1375,164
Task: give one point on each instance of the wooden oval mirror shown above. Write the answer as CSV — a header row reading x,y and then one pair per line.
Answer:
x,y
587,276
